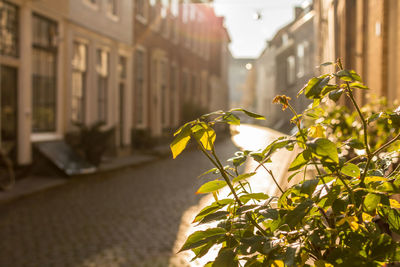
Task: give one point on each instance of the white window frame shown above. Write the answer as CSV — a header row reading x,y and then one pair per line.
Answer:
x,y
110,13
174,94
86,85
290,69
301,60
143,123
143,18
108,84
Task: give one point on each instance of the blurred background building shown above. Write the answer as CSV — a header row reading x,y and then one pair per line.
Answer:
x,y
134,65
143,67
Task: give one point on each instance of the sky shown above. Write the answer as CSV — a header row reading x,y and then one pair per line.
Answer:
x,y
248,34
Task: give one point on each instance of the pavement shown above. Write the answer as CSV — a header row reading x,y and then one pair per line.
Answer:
x,y
130,216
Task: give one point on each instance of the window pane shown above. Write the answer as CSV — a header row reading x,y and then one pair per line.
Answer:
x,y
139,86
8,29
44,65
102,83
112,7
78,83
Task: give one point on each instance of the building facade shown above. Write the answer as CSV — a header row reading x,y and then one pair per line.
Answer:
x,y
287,63
180,57
129,64
365,35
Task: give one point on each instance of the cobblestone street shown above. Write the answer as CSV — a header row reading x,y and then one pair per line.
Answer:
x,y
129,217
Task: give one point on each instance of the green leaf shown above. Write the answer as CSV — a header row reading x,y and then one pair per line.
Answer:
x,y
308,186
314,87
214,216
300,160
325,148
213,170
295,216
356,144
200,238
358,85
335,95
202,250
211,187
371,202
180,141
212,208
242,177
225,258
250,114
275,145
327,64
394,220
293,175
231,119
351,170
256,196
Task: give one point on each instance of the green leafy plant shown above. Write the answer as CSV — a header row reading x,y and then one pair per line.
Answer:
x,y
345,214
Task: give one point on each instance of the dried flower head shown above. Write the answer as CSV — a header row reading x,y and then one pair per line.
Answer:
x,y
282,99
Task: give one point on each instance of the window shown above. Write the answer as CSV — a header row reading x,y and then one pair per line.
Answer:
x,y
8,29
185,86
92,3
164,20
78,83
285,39
102,69
164,93
122,65
173,93
140,69
290,68
193,86
44,69
141,9
112,7
301,60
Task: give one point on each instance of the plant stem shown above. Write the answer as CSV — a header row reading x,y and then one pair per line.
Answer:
x,y
305,141
364,122
383,147
351,193
273,178
218,164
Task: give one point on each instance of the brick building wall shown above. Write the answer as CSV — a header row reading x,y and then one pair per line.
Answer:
x,y
191,41
366,37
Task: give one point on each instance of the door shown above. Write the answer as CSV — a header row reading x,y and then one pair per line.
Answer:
x,y
8,117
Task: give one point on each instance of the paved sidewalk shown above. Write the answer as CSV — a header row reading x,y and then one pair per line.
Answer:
x,y
35,184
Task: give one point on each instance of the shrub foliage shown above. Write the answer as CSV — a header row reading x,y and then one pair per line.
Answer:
x,y
345,214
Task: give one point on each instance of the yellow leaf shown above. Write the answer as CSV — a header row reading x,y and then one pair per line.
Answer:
x,y
394,204
353,223
180,142
204,134
316,131
322,263
208,138
278,263
340,222
366,217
